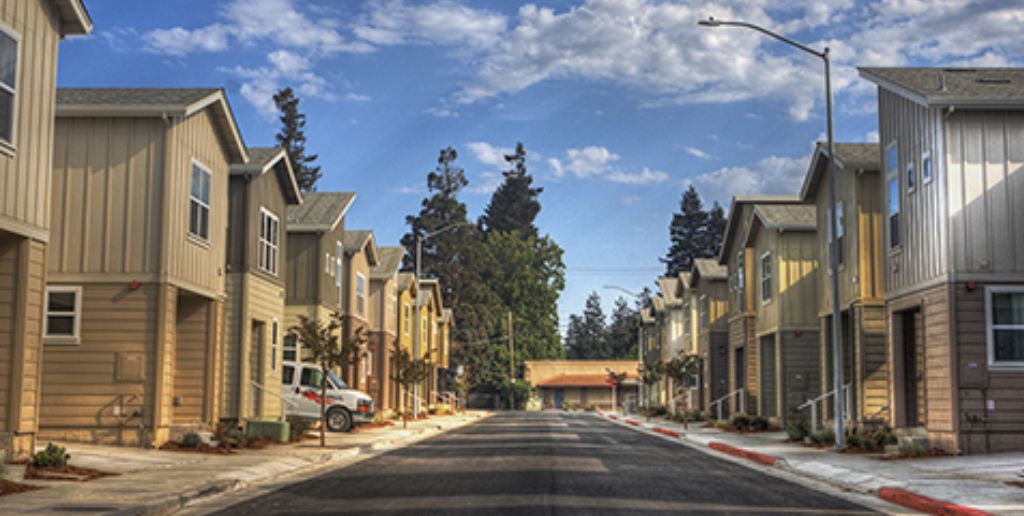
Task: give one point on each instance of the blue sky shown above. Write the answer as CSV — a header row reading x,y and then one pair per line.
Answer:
x,y
620,103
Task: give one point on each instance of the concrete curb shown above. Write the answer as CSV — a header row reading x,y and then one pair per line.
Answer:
x,y
760,458
926,504
666,431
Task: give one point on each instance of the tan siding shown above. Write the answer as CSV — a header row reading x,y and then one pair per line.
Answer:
x,y
24,178
231,363
768,314
190,359
303,267
9,286
357,264
265,192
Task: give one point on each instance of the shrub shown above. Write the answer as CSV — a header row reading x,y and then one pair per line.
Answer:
x,y
823,436
53,456
912,448
857,441
883,436
192,440
297,427
798,429
758,424
740,422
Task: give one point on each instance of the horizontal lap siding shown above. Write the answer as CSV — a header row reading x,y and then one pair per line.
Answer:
x,y
799,367
231,347
9,285
266,303
190,365
874,370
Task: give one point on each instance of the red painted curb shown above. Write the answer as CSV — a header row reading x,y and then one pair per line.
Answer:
x,y
666,431
610,416
631,422
761,458
923,503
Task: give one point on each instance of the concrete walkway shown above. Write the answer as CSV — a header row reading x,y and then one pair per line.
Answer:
x,y
975,481
160,482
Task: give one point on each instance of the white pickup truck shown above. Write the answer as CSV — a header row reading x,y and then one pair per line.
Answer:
x,y
301,391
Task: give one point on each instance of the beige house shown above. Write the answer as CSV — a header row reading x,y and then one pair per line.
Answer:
x,y
430,307
384,323
259,194
672,334
561,384
30,33
314,261
954,253
860,257
360,256
740,262
783,243
708,292
650,346
137,258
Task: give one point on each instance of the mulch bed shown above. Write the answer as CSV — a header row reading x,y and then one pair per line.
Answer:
x,y
68,472
928,454
9,487
857,450
1016,483
203,448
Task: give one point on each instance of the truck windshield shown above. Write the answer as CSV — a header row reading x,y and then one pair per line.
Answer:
x,y
338,383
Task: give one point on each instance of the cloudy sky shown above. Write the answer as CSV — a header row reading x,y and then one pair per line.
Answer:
x,y
620,103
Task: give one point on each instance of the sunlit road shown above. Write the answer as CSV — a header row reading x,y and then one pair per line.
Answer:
x,y
546,463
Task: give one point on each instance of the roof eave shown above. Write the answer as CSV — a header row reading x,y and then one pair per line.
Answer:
x,y
241,152
75,19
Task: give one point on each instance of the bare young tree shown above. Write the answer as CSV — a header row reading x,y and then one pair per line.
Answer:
x,y
329,349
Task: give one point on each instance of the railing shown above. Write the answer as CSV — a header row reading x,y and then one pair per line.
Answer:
x,y
278,395
813,404
723,399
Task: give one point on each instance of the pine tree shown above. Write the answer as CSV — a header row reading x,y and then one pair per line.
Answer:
x,y
714,231
694,233
293,139
514,205
589,332
624,330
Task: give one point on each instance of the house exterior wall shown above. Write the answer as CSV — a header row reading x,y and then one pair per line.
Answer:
x,y
311,262
798,371
252,298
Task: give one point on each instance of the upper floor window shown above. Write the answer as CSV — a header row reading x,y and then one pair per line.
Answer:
x,y
893,194
63,314
291,348
199,202
766,277
274,330
360,294
8,83
268,241
406,318
338,250
926,167
911,177
741,280
1005,326
840,230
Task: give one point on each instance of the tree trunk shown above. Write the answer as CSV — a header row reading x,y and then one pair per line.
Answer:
x,y
323,406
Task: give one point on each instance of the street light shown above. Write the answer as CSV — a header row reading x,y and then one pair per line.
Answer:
x,y
640,345
833,262
416,304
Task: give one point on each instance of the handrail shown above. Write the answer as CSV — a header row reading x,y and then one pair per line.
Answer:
x,y
740,391
277,394
813,404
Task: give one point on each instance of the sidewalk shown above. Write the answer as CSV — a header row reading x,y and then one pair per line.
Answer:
x,y
974,481
160,482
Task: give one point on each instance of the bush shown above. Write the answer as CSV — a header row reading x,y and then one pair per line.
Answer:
x,y
297,427
912,448
758,424
191,440
823,436
883,436
798,430
857,441
53,456
740,422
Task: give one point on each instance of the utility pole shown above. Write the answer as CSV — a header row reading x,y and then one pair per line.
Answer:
x,y
511,363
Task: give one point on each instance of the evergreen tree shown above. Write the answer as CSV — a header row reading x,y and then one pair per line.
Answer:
x,y
590,332
711,239
514,205
686,232
624,330
292,139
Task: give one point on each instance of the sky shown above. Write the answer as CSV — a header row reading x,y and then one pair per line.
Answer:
x,y
621,104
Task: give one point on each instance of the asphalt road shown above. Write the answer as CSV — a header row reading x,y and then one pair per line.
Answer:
x,y
546,463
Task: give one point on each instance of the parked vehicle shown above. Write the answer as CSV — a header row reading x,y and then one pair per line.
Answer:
x,y
301,391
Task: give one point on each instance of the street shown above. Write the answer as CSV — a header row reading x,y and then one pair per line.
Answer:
x,y
546,463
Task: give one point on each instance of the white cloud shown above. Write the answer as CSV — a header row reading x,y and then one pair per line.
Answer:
x,y
694,151
489,154
178,41
630,200
644,177
357,97
395,22
600,162
486,183
283,68
408,190
770,175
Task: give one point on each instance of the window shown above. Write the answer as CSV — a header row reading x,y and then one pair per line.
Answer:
x,y
291,348
287,375
8,84
274,329
839,230
926,168
406,318
328,264
269,235
360,294
1005,307
338,250
766,277
741,279
63,314
911,178
368,370
199,203
893,198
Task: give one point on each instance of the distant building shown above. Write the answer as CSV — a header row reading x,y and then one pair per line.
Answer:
x,y
582,383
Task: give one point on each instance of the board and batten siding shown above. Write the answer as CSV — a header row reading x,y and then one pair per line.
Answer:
x,y
357,264
794,264
107,202
247,198
264,303
24,173
309,255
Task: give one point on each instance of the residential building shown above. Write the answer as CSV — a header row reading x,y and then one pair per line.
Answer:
x,y
954,253
407,293
661,351
359,257
385,323
314,262
708,286
429,307
259,194
740,262
782,241
672,334
650,345
561,384
444,350
136,265
860,259
29,36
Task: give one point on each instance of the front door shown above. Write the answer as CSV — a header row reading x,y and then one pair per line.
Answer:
x,y
769,385
912,342
559,398
740,377
256,369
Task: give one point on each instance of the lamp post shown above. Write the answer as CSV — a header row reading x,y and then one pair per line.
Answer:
x,y
416,304
640,344
833,262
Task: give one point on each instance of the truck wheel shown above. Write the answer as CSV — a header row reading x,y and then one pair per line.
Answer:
x,y
339,420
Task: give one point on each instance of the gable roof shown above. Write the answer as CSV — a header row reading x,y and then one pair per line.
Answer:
x,y
684,279
849,157
669,289
708,269
733,223
429,288
358,242
74,17
406,281
319,211
265,159
155,102
390,261
788,217
960,87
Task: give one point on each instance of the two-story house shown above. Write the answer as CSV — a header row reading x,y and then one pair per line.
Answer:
x,y
385,323
136,265
30,33
660,354
650,346
708,294
783,244
314,261
740,262
360,256
407,293
259,194
858,241
430,306
672,336
952,144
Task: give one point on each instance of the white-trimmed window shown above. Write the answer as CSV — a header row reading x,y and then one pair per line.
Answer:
x,y
766,277
840,230
926,167
63,315
274,331
893,194
9,43
360,294
406,319
337,263
199,202
704,312
1005,322
911,176
268,241
291,347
